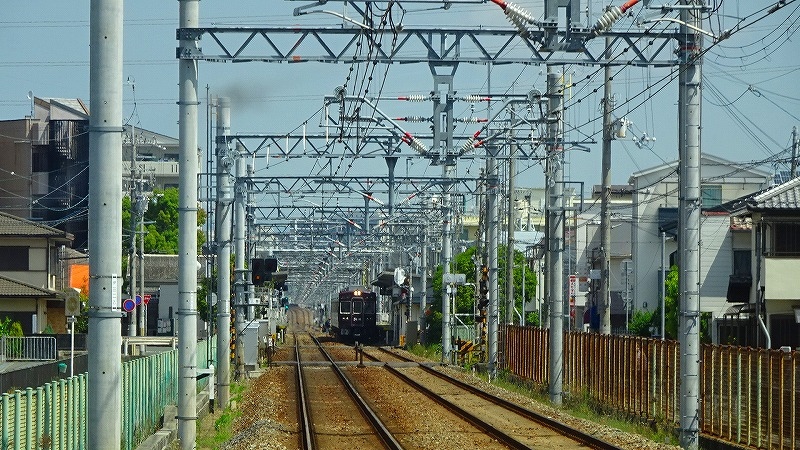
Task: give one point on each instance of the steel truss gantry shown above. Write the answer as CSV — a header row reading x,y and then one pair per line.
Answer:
x,y
436,46
442,49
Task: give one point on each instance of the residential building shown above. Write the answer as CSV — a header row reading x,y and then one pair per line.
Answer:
x,y
156,158
766,230
44,162
588,256
655,222
30,268
161,283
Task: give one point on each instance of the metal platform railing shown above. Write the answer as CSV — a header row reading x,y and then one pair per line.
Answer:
x,y
28,348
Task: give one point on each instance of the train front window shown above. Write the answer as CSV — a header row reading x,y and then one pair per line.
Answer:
x,y
369,307
344,308
357,305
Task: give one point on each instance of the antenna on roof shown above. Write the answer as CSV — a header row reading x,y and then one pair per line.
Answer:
x,y
30,97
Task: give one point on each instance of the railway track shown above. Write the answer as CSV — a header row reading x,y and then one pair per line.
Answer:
x,y
567,437
392,402
321,419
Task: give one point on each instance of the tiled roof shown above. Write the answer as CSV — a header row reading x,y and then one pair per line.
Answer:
x,y
17,226
784,196
13,288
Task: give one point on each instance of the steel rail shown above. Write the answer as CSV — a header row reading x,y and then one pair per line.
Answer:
x,y
477,422
385,435
562,429
303,409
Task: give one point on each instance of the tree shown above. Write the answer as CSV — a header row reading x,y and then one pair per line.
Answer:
x,y
161,226
161,223
672,304
465,295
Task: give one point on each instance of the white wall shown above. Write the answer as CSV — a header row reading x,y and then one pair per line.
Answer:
x,y
716,263
658,188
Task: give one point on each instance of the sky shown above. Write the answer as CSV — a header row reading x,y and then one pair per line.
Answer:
x,y
751,81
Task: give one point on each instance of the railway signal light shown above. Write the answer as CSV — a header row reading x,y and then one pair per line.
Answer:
x,y
258,271
484,282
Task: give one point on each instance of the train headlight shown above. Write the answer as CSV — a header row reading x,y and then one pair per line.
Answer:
x,y
356,293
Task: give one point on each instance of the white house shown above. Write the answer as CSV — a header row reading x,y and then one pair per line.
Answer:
x,y
767,313
655,210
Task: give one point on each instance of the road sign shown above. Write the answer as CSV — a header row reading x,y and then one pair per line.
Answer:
x,y
455,278
138,299
72,302
399,276
573,286
128,304
147,298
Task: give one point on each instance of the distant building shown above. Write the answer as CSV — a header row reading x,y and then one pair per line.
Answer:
x,y
655,210
44,162
156,158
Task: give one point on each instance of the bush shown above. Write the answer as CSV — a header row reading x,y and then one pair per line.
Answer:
x,y
641,323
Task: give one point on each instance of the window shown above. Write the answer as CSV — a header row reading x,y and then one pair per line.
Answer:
x,y
344,308
712,196
786,239
741,263
357,306
369,307
14,258
39,159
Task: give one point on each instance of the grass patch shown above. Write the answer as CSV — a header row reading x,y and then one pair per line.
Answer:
x,y
583,407
432,351
209,437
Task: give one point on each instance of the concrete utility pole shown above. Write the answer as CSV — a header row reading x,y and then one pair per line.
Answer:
x,y
443,139
689,146
239,229
222,224
423,294
142,201
510,303
104,395
604,306
447,213
132,260
492,225
662,279
555,214
243,188
187,229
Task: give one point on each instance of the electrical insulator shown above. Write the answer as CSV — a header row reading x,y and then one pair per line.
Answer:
x,y
475,98
467,145
413,119
414,143
516,15
612,14
414,98
417,145
472,120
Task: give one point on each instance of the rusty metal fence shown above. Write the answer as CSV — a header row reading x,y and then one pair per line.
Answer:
x,y
748,397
